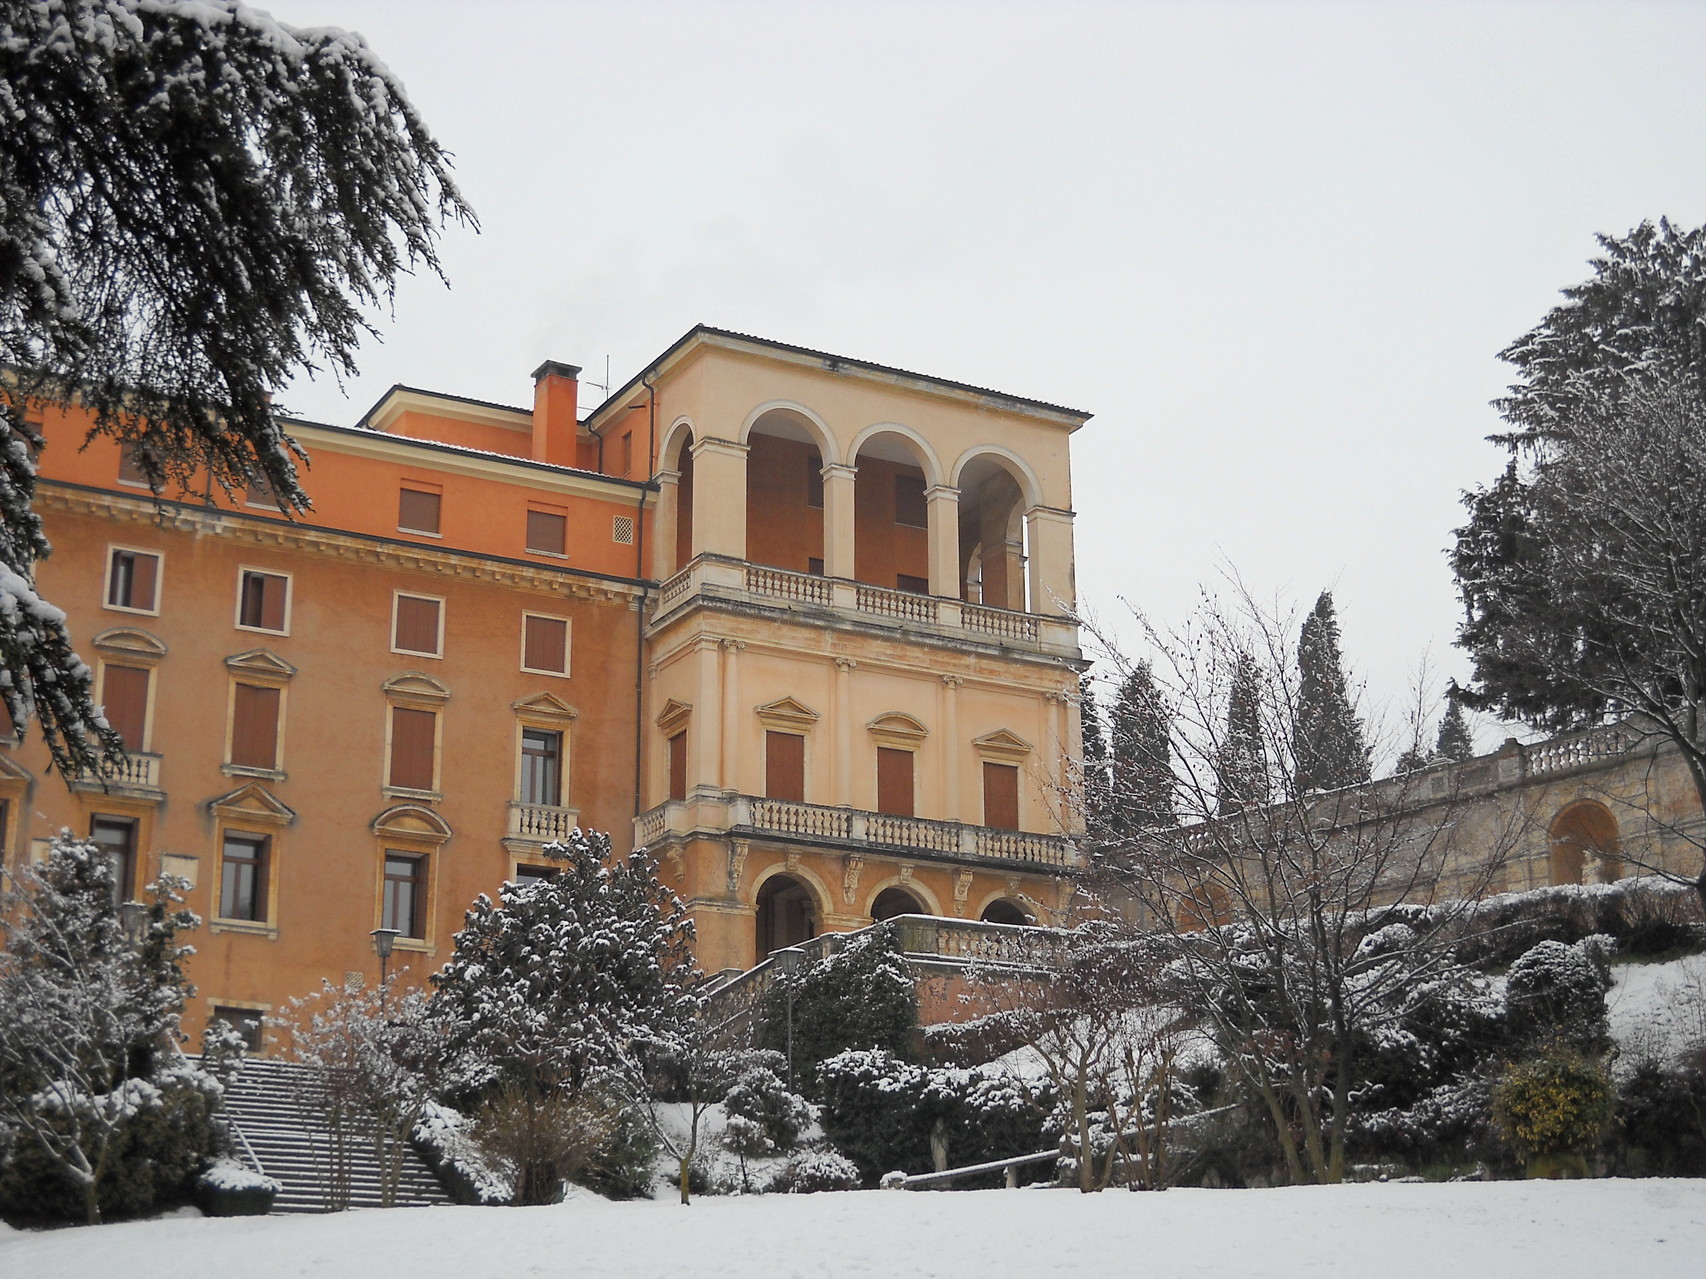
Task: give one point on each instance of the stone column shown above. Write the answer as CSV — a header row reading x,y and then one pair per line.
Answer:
x,y
719,498
706,763
843,730
838,527
943,504
1053,586
950,752
733,720
663,527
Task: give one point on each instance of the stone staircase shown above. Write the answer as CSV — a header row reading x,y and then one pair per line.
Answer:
x,y
274,1130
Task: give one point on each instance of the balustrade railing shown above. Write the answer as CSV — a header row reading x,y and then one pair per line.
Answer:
x,y
1564,753
543,822
791,586
790,818
906,605
1000,621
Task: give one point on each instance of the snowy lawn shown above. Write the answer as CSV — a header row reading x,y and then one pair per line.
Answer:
x,y
1503,1230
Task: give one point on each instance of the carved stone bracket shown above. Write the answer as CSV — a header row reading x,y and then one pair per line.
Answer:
x,y
962,890
906,872
851,866
738,849
678,863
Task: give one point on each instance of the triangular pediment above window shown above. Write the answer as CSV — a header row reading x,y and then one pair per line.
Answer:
x,y
417,685
254,803
897,728
412,822
673,716
787,714
11,770
128,641
1002,745
544,706
261,661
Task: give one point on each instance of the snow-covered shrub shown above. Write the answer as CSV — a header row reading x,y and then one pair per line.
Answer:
x,y
1661,1122
444,1141
1557,992
764,1118
539,1141
1646,915
230,1189
101,1114
624,1166
864,997
1552,1109
812,1171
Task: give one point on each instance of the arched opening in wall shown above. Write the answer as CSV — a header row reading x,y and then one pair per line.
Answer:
x,y
787,914
682,465
1585,846
784,493
891,516
896,901
993,549
1002,911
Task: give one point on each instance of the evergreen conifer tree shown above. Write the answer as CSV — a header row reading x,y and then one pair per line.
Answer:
x,y
1142,775
1327,747
1095,770
1455,741
1241,758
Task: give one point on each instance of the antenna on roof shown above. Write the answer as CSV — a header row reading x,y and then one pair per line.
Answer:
x,y
604,385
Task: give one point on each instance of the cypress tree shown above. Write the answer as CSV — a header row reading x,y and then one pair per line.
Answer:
x,y
1327,740
1143,780
1095,775
1241,762
1455,741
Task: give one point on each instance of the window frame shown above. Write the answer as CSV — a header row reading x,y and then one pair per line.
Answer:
x,y
561,759
124,888
568,643
231,767
421,904
396,597
262,888
396,788
555,512
289,579
426,488
114,550
911,752
124,459
148,669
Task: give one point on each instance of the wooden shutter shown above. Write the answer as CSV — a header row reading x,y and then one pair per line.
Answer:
x,y
545,644
785,766
678,766
547,532
145,572
412,744
254,726
1001,796
263,600
124,689
417,511
415,629
894,781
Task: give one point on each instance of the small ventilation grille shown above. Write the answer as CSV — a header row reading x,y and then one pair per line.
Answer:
x,y
622,530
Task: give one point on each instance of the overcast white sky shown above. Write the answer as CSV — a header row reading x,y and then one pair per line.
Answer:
x,y
1274,248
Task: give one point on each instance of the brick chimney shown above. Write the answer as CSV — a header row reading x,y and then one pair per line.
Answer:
x,y
555,402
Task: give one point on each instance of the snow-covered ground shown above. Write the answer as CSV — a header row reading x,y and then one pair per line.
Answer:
x,y
1502,1230
1657,1010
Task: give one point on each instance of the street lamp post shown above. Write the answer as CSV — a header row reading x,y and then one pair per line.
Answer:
x,y
133,919
382,940
788,961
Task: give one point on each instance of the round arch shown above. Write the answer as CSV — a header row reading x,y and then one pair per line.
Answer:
x,y
1003,909
827,446
669,447
1584,844
930,464
787,910
1030,487
911,887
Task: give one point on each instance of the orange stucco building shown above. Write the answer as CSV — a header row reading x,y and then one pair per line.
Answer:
x,y
800,623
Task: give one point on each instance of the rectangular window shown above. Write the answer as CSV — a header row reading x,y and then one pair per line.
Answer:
x,y
263,601
116,837
678,766
785,766
260,493
254,726
814,479
912,584
541,767
417,625
544,644
133,580
243,877
547,532
1001,796
128,471
412,748
525,875
894,781
814,566
910,507
245,1021
417,511
405,894
124,694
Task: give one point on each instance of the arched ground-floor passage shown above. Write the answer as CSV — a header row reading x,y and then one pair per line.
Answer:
x,y
787,914
1585,846
896,901
1002,911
